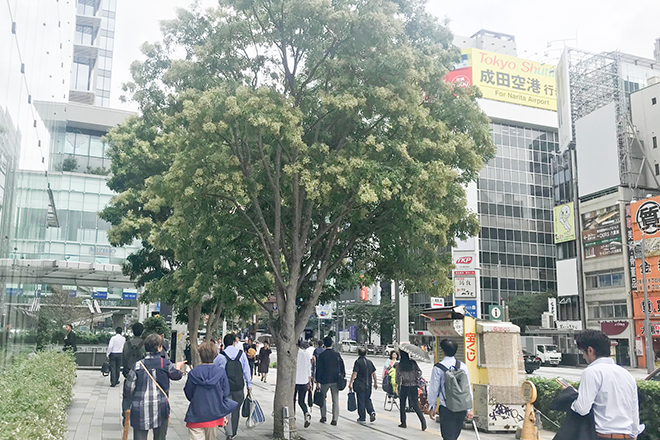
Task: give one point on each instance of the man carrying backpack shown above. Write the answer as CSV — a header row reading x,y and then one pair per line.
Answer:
x,y
133,351
234,361
450,388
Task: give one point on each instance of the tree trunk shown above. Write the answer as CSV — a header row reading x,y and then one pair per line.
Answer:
x,y
194,313
287,356
212,325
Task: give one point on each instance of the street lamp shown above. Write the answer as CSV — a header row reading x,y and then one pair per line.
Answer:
x,y
648,337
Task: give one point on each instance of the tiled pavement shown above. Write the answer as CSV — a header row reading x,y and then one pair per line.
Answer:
x,y
94,414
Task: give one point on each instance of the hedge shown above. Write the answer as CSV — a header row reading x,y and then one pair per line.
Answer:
x,y
34,393
649,404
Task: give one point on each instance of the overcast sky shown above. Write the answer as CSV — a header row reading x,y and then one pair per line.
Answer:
x,y
607,25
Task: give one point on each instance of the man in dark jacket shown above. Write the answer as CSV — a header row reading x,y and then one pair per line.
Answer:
x,y
207,389
70,339
329,369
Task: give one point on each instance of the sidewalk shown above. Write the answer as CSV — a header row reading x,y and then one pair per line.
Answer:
x,y
94,414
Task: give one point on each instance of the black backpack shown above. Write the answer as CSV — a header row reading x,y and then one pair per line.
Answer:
x,y
234,371
135,353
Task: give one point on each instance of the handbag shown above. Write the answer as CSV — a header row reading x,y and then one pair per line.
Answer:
x,y
257,416
341,380
105,368
352,401
319,400
247,404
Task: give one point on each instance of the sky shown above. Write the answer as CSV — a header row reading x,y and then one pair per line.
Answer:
x,y
541,28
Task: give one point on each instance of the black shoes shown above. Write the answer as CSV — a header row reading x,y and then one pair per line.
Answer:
x,y
403,425
372,417
323,420
333,423
308,420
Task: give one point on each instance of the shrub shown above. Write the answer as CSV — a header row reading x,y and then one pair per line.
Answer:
x,y
649,404
156,324
34,393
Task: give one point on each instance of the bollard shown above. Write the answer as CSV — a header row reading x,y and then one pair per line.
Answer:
x,y
529,429
287,428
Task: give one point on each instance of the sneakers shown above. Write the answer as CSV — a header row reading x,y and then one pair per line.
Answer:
x,y
308,420
372,417
361,421
333,423
323,420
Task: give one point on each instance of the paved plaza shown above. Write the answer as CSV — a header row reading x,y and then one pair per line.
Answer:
x,y
94,414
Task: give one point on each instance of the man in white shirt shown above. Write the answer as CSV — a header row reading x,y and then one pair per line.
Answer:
x,y
303,381
115,350
451,422
608,389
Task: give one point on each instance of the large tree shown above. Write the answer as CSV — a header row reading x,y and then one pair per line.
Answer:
x,y
320,132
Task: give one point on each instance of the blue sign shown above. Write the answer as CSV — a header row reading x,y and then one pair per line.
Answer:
x,y
158,307
352,332
470,306
72,293
100,295
129,295
14,291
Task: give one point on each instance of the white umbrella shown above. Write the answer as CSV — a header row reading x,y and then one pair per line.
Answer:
x,y
414,351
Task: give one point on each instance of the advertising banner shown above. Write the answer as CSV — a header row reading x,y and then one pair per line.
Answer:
x,y
600,230
324,311
631,249
564,222
507,79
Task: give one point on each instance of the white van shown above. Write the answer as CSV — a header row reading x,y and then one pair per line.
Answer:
x,y
349,346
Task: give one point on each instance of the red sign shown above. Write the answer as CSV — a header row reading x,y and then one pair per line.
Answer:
x,y
464,260
461,77
613,328
464,272
471,347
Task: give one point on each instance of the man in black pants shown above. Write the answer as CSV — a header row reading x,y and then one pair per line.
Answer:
x,y
361,381
114,354
451,422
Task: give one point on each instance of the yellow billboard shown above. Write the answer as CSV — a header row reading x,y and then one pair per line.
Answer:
x,y
564,222
513,80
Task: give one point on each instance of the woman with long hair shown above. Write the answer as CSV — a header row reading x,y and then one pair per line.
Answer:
x,y
407,381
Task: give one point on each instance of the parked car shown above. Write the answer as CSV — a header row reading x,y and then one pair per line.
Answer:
x,y
389,349
371,348
532,362
349,346
655,375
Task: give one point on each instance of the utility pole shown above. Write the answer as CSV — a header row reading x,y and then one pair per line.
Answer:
x,y
648,337
499,282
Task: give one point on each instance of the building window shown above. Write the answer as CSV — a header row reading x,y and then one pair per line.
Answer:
x,y
86,7
653,101
655,142
608,310
657,169
81,73
84,35
605,279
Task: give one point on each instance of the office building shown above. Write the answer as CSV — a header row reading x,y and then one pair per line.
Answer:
x,y
54,104
514,253
606,162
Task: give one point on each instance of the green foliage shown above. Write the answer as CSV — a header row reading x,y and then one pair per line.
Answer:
x,y
649,404
69,164
649,408
44,332
295,141
99,171
526,310
34,393
156,324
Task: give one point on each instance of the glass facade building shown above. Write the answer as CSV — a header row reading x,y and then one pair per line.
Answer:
x,y
515,211
55,78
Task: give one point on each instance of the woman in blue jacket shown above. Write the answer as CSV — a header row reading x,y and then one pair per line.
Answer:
x,y
207,389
